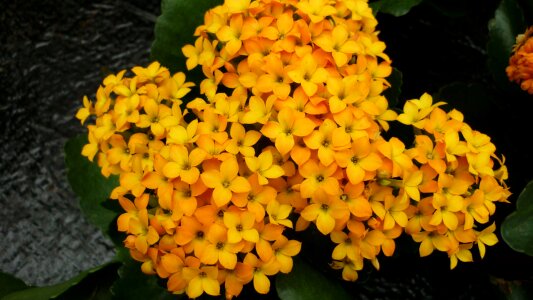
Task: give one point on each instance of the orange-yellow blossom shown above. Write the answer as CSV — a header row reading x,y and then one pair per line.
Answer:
x,y
225,181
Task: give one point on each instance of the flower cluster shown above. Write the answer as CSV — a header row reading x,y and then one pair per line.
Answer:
x,y
289,131
520,69
197,207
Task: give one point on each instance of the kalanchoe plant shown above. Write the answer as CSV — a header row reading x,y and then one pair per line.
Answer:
x,y
290,122
520,69
265,151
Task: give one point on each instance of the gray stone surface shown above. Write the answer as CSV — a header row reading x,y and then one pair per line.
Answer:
x,y
51,54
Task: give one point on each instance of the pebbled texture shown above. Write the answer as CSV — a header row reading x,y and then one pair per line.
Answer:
x,y
51,54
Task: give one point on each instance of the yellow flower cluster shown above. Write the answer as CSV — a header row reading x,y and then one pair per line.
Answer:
x,y
290,124
452,184
520,69
194,194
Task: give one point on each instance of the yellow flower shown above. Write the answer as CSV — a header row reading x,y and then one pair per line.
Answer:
x,y
279,213
202,279
289,124
230,34
220,249
486,237
326,142
309,74
318,177
235,279
225,181
415,111
261,270
284,250
317,10
446,207
242,141
325,210
357,203
158,117
184,164
339,44
394,150
275,79
213,125
431,240
361,161
119,153
462,253
259,111
241,227
411,183
426,153
86,111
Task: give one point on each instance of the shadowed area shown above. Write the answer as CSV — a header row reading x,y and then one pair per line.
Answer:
x,y
51,54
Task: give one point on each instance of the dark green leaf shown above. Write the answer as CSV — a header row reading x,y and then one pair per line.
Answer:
x,y
507,23
517,228
134,284
520,290
58,291
393,93
89,184
527,8
394,7
306,283
474,100
175,28
96,285
10,284
449,8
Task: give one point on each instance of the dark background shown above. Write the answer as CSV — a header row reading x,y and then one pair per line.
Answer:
x,y
53,53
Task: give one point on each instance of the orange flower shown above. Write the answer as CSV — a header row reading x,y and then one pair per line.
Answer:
x,y
521,63
289,123
225,182
184,164
318,177
326,142
309,74
325,210
360,160
220,249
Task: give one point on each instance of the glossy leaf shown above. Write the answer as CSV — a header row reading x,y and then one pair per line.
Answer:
x,y
474,100
10,284
175,28
393,93
89,184
134,284
507,23
394,7
306,283
517,228
58,291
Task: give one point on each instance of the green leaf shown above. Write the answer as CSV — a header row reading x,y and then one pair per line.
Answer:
x,y
393,93
474,100
10,284
175,28
394,7
520,290
58,291
517,228
306,283
507,23
89,184
134,284
449,8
